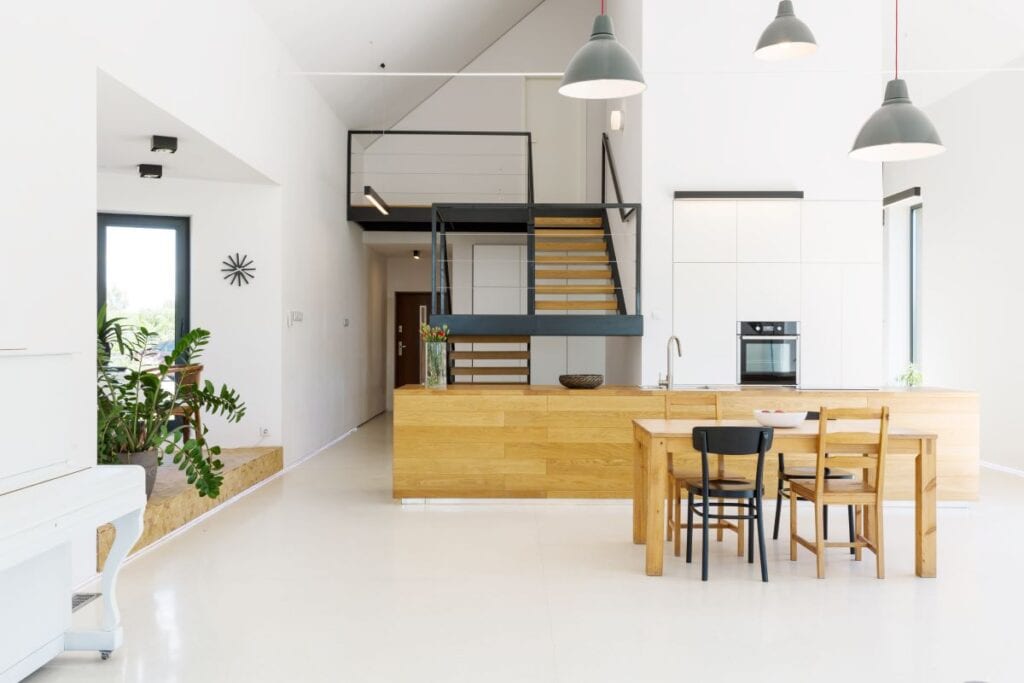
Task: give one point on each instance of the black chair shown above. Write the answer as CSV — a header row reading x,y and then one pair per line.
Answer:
x,y
742,495
786,475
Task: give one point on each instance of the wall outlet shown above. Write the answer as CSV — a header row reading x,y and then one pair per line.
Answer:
x,y
264,431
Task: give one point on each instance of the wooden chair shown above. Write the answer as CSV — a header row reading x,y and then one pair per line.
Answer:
x,y
853,450
188,377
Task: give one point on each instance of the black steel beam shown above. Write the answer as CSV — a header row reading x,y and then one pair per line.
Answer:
x,y
544,325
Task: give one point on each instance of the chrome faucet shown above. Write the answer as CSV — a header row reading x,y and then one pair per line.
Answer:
x,y
667,382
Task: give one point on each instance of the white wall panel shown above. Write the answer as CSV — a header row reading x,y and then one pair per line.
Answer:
x,y
704,319
768,291
821,325
841,232
704,230
862,325
768,231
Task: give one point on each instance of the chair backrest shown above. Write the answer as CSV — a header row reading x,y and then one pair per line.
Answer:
x,y
725,441
848,446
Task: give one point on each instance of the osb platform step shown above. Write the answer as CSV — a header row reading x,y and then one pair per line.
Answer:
x,y
175,502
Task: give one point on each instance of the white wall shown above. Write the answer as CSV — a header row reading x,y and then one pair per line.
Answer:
x,y
245,322
971,241
746,125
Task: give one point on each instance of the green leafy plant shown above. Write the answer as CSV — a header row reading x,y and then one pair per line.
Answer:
x,y
911,377
136,404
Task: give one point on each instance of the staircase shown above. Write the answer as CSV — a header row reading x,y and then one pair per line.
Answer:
x,y
574,266
489,359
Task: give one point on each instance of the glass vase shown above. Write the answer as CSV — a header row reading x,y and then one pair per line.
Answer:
x,y
437,365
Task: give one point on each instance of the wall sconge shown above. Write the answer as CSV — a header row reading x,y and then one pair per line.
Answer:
x,y
151,171
615,121
376,200
164,143
416,254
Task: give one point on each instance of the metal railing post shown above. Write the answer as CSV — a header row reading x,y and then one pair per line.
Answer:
x,y
433,260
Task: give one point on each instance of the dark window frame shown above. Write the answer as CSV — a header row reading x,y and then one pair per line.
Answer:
x,y
182,245
914,223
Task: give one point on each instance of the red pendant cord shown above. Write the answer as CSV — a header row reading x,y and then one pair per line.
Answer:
x,y
602,6
897,38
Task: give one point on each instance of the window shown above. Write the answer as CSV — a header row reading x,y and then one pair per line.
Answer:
x,y
914,280
902,287
143,273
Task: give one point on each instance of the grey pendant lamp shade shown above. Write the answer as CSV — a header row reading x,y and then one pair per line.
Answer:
x,y
786,37
898,131
602,69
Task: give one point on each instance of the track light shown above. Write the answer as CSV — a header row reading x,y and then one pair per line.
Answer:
x,y
376,200
416,254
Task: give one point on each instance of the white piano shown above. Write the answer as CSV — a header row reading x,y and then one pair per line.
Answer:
x,y
51,498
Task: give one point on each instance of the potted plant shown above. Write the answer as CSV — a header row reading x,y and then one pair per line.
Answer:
x,y
435,343
911,377
137,403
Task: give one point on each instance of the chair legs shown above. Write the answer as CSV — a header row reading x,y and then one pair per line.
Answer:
x,y
754,526
778,511
792,528
704,542
853,529
819,538
677,496
760,539
689,528
879,544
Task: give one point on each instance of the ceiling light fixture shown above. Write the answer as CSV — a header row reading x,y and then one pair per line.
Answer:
x,y
898,131
151,171
376,200
786,37
602,69
164,143
416,254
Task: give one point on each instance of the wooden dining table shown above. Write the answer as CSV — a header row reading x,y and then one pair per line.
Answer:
x,y
656,440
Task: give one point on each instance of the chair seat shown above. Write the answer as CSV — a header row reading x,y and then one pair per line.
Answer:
x,y
683,474
810,473
721,487
841,491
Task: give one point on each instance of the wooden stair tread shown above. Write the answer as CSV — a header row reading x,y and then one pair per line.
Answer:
x,y
490,355
487,339
575,289
574,233
493,370
577,305
573,260
568,221
574,274
596,245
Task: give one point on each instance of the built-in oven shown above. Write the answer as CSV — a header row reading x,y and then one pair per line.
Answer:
x,y
768,353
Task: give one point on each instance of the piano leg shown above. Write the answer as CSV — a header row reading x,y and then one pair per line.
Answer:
x,y
110,635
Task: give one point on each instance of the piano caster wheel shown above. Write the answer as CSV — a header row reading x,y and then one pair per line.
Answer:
x,y
104,654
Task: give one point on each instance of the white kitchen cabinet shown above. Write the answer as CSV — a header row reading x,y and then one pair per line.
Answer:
x,y
768,231
841,232
821,326
862,325
768,291
704,319
704,231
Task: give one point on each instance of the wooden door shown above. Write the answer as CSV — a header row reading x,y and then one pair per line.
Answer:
x,y
411,309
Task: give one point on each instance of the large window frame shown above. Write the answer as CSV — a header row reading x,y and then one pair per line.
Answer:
x,y
916,216
182,276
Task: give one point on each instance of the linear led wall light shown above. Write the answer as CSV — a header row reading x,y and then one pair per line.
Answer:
x,y
164,143
376,200
151,171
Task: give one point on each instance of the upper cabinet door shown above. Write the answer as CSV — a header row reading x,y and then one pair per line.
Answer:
x,y
768,231
704,318
841,232
704,231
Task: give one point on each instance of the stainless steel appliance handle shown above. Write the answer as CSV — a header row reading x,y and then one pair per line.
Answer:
x,y
789,337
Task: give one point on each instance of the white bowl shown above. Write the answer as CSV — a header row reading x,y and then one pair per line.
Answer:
x,y
770,418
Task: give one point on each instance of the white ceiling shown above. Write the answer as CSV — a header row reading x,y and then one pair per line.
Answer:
x,y
125,123
357,36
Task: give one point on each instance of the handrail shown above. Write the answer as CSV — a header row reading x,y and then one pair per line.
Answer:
x,y
483,133
608,164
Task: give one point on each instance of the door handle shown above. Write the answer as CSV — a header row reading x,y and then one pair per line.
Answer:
x,y
401,346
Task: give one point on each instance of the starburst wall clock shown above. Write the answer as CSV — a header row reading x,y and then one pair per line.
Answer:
x,y
239,269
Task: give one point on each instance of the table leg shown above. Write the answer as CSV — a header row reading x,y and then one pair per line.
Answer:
x,y
657,474
109,636
925,517
639,490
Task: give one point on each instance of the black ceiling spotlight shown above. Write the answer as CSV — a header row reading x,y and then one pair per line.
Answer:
x,y
164,143
376,200
416,254
151,171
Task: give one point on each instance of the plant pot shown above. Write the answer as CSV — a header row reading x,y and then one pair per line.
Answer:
x,y
148,460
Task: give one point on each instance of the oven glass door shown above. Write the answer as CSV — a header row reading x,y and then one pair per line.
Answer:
x,y
768,361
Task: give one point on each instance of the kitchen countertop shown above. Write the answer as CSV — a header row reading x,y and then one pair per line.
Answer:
x,y
537,389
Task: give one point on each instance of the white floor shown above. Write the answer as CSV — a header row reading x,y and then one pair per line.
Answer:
x,y
319,576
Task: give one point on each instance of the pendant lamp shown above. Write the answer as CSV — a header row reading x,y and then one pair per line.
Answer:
x,y
786,37
602,69
898,131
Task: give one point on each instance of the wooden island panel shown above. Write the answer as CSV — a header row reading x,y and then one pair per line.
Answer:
x,y
550,442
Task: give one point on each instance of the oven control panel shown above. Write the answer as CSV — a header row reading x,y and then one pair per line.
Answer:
x,y
768,328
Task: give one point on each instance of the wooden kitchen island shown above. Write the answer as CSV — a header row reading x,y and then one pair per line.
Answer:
x,y
491,441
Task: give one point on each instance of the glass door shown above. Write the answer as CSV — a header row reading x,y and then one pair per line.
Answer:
x,y
143,274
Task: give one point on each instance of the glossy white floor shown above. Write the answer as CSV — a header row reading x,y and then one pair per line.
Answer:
x,y
319,576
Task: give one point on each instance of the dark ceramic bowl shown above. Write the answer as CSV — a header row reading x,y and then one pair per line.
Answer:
x,y
581,381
